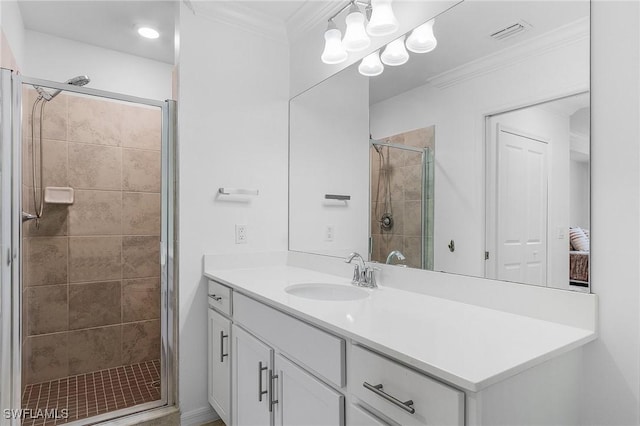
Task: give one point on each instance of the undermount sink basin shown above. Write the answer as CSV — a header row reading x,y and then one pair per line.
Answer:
x,y
324,291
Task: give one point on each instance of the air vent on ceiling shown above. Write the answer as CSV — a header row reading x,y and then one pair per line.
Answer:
x,y
511,30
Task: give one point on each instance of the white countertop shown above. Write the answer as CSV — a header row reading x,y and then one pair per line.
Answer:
x,y
469,346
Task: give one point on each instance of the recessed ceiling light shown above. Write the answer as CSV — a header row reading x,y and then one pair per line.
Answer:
x,y
148,32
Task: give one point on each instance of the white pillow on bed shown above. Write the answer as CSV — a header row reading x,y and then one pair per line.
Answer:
x,y
579,239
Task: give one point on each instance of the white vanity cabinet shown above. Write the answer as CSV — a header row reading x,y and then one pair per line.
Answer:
x,y
270,388
218,352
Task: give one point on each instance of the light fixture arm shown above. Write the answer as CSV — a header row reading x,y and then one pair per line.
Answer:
x,y
366,4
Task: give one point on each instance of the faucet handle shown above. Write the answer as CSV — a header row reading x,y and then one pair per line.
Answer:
x,y
370,276
356,275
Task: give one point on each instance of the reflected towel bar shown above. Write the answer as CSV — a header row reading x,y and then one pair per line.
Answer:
x,y
337,197
237,191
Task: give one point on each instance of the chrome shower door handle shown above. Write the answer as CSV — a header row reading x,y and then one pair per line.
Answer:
x,y
377,389
222,337
260,391
272,401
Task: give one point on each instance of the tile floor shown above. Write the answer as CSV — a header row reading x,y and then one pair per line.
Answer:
x,y
90,394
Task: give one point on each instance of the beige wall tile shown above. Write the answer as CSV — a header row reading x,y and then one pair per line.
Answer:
x,y
54,221
413,251
140,213
413,218
95,166
412,182
47,261
95,349
142,127
96,213
94,304
140,341
95,121
55,163
95,258
140,299
46,358
54,124
46,309
141,170
141,256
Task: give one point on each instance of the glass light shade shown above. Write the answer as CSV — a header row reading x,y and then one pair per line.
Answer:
x,y
383,22
334,52
395,53
355,37
422,39
371,65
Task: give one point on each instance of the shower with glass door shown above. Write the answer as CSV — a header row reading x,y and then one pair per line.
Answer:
x,y
402,199
90,227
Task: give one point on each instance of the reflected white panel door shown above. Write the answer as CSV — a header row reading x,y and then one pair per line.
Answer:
x,y
252,362
303,400
521,208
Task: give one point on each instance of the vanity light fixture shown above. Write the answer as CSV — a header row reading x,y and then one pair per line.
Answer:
x,y
395,53
371,65
334,52
383,22
148,32
355,37
422,39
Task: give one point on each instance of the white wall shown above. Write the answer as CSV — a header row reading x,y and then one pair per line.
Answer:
x,y
233,127
59,59
12,34
458,112
611,389
306,67
579,194
329,149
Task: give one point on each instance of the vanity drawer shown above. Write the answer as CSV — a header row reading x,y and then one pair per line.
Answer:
x,y
434,403
309,346
220,297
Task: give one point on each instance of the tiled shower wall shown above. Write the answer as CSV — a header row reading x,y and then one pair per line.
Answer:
x,y
91,272
405,174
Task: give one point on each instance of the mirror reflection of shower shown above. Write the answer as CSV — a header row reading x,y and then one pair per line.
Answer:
x,y
44,96
384,217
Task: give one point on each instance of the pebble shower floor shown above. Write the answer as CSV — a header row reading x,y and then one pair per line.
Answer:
x,y
94,393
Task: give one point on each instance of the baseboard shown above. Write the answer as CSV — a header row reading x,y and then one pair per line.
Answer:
x,y
198,416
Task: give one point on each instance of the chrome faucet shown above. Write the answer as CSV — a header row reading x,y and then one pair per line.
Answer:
x,y
363,275
397,254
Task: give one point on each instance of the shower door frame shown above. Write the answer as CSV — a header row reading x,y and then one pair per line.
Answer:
x,y
168,244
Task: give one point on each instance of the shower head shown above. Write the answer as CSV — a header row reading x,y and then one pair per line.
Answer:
x,y
80,80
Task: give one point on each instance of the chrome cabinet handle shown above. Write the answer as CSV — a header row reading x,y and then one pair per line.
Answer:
x,y
377,389
272,401
222,337
260,391
216,298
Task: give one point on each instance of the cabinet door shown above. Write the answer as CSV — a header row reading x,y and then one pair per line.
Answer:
x,y
303,400
219,365
252,362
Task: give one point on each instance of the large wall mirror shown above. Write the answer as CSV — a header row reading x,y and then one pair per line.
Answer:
x,y
470,159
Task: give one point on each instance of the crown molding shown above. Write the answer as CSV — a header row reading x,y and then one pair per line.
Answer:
x,y
244,18
561,37
309,15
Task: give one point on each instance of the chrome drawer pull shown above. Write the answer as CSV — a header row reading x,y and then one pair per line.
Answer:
x,y
216,298
222,337
260,391
377,389
272,401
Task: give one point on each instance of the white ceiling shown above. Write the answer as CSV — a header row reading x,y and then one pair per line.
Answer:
x,y
110,24
463,34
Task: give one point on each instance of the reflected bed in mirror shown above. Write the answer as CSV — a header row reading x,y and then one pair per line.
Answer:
x,y
470,159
